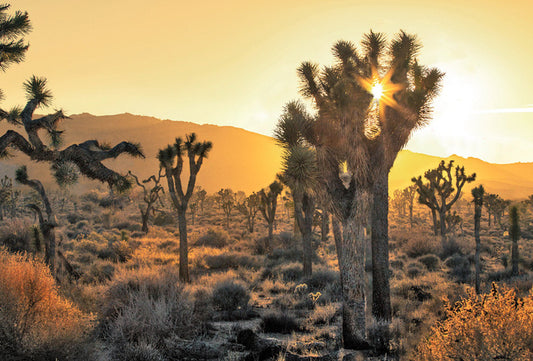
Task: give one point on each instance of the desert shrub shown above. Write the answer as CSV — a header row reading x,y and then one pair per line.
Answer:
x,y
74,218
321,278
230,295
322,315
450,248
213,238
459,267
493,326
279,322
16,235
431,261
414,269
230,260
280,255
92,196
417,246
289,272
35,321
100,271
146,308
122,251
396,264
130,226
164,219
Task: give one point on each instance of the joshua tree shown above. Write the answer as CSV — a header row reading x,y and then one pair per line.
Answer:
x,y
171,160
46,224
200,196
268,203
226,200
442,190
409,194
150,196
299,172
249,208
12,29
514,233
368,104
398,202
6,188
85,158
477,193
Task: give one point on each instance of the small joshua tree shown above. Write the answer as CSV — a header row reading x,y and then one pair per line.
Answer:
x,y
226,199
201,194
66,164
441,191
249,208
150,196
268,203
514,233
477,193
171,159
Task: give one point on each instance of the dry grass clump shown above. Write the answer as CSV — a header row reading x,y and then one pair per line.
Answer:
x,y
231,297
229,260
16,234
35,321
144,310
213,238
493,326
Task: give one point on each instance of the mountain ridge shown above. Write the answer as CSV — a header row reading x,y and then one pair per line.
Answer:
x,y
245,160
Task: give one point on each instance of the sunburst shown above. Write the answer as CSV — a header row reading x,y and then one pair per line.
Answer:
x,y
382,90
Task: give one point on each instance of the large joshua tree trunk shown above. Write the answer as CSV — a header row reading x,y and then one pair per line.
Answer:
x,y
381,307
184,247
352,273
477,226
304,210
435,222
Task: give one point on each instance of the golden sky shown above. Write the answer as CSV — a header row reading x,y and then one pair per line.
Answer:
x,y
234,62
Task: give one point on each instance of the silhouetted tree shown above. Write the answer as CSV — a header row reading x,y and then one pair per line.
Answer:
x,y
150,196
46,224
299,172
201,195
267,206
398,202
477,193
85,158
364,134
441,189
171,159
409,195
6,188
249,208
514,233
226,200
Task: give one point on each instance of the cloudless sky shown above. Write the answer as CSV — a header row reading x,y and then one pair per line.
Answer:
x,y
234,62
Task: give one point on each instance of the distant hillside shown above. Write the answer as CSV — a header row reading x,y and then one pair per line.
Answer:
x,y
243,160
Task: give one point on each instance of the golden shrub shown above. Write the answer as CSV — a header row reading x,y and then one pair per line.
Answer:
x,y
34,319
493,326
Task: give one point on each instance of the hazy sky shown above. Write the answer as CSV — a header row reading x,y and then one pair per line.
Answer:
x,y
234,62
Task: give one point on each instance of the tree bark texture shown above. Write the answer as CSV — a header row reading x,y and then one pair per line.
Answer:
x,y
477,227
381,306
352,273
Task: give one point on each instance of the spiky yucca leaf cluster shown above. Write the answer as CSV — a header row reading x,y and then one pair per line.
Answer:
x,y
21,174
65,173
168,155
37,91
12,28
